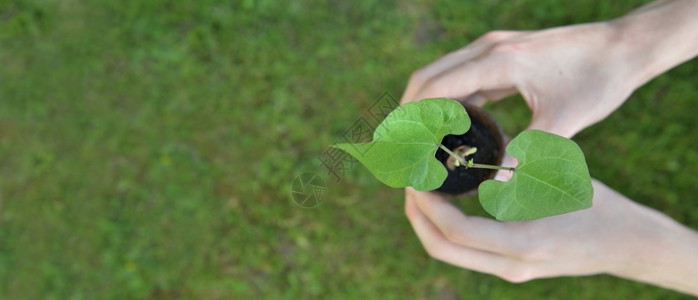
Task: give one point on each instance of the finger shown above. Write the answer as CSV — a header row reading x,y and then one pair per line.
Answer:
x,y
442,249
554,117
481,97
470,77
554,123
437,67
498,94
472,232
452,59
504,175
476,99
507,161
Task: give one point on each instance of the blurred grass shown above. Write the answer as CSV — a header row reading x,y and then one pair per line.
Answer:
x,y
147,148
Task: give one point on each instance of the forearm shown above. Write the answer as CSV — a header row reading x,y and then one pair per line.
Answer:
x,y
668,257
658,36
683,259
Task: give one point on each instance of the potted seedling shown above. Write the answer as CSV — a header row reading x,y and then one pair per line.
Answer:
x,y
483,142
551,176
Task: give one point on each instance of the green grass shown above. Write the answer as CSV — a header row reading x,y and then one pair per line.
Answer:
x,y
147,149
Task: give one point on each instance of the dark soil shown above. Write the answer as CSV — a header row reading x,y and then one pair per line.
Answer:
x,y
486,135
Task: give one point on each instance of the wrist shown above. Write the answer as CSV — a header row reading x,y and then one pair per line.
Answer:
x,y
665,254
656,38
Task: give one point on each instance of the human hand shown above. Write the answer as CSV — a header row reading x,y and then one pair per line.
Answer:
x,y
615,236
570,77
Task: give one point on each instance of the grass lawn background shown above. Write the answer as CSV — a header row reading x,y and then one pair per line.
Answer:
x,y
147,148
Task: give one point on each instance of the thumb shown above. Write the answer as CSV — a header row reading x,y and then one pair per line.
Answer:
x,y
503,175
507,161
557,121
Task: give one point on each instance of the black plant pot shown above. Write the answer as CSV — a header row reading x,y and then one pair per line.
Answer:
x,y
484,134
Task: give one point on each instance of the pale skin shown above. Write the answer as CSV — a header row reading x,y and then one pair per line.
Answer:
x,y
571,77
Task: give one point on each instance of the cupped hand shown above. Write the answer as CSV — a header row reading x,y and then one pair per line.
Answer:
x,y
570,77
615,236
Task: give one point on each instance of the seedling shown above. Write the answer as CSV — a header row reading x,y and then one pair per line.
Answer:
x,y
551,177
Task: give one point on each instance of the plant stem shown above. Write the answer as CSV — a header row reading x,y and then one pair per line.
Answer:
x,y
474,165
481,166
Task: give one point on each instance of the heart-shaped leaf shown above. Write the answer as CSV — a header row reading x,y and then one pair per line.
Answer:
x,y
551,178
404,144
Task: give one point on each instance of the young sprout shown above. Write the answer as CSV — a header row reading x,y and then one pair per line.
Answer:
x,y
457,158
462,152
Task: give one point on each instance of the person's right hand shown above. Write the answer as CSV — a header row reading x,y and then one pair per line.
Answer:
x,y
615,236
571,77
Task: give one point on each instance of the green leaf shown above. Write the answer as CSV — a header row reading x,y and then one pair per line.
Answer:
x,y
551,178
404,144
